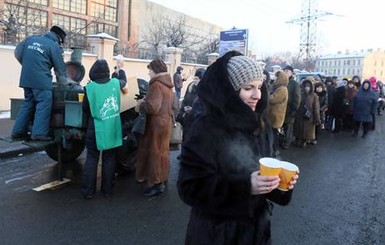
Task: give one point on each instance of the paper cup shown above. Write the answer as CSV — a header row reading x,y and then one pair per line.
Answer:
x,y
289,170
80,97
269,166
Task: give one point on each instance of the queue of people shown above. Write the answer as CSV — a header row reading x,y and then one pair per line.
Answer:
x,y
226,129
335,106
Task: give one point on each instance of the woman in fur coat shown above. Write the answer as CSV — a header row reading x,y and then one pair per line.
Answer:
x,y
277,107
219,175
153,163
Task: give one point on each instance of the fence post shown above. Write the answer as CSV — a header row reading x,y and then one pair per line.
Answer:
x,y
212,58
102,45
174,57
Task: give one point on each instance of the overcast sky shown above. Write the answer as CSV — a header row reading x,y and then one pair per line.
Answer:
x,y
353,25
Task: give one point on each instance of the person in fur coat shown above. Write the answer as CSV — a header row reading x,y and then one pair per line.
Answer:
x,y
218,176
277,107
153,163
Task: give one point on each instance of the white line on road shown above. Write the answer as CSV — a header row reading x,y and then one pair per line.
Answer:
x,y
19,178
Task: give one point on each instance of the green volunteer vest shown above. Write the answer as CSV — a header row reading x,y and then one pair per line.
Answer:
x,y
104,100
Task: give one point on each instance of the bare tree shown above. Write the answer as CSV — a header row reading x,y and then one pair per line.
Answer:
x,y
176,32
165,31
25,19
154,34
171,32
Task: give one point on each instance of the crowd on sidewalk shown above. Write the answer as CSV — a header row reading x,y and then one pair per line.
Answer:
x,y
325,104
232,114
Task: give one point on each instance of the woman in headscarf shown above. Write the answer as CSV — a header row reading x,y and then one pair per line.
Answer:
x,y
219,175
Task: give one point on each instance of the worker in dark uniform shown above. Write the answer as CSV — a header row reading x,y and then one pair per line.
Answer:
x,y
38,55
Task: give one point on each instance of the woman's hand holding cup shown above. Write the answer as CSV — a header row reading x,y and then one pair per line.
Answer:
x,y
263,184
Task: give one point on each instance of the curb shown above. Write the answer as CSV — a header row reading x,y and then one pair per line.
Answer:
x,y
16,150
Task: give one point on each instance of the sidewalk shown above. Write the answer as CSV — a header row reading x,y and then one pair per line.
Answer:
x,y
13,149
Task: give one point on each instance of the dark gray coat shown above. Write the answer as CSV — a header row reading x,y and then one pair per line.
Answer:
x,y
294,99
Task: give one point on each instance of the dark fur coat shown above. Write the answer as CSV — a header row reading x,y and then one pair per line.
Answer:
x,y
217,159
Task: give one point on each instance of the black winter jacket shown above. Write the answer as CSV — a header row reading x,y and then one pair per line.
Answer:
x,y
217,158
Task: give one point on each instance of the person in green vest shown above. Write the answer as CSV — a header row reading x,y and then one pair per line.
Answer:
x,y
104,131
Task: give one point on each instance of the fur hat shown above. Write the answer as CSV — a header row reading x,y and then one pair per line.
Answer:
x,y
59,32
157,66
100,72
242,71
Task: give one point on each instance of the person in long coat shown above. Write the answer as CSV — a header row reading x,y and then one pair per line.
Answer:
x,y
219,175
364,106
277,107
294,99
185,116
153,160
320,90
331,90
351,91
339,106
304,126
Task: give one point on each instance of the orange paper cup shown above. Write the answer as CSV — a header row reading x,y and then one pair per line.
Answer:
x,y
289,170
269,166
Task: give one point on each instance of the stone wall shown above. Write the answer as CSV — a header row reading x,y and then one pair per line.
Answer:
x,y
9,79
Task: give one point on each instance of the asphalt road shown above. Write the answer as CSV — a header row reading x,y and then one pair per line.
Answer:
x,y
339,199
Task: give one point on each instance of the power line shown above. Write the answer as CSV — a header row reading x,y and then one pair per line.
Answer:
x,y
308,19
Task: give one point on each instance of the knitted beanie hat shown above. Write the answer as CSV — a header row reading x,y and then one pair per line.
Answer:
x,y
242,71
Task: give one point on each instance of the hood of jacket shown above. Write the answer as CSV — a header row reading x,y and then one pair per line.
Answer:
x,y
164,78
99,71
362,87
308,82
221,100
281,80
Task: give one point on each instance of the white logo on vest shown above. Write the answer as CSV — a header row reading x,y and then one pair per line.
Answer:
x,y
110,105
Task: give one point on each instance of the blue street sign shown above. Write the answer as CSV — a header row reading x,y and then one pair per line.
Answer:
x,y
235,39
232,35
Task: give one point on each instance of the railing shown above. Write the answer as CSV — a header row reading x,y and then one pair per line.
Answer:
x,y
194,59
144,54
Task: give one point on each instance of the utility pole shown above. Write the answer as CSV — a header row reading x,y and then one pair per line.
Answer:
x,y
308,35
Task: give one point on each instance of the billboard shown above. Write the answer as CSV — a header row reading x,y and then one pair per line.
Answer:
x,y
235,39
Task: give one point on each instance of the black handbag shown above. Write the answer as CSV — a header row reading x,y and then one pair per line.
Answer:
x,y
139,124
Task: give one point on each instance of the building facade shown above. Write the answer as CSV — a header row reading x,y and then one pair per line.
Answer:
x,y
365,63
127,20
